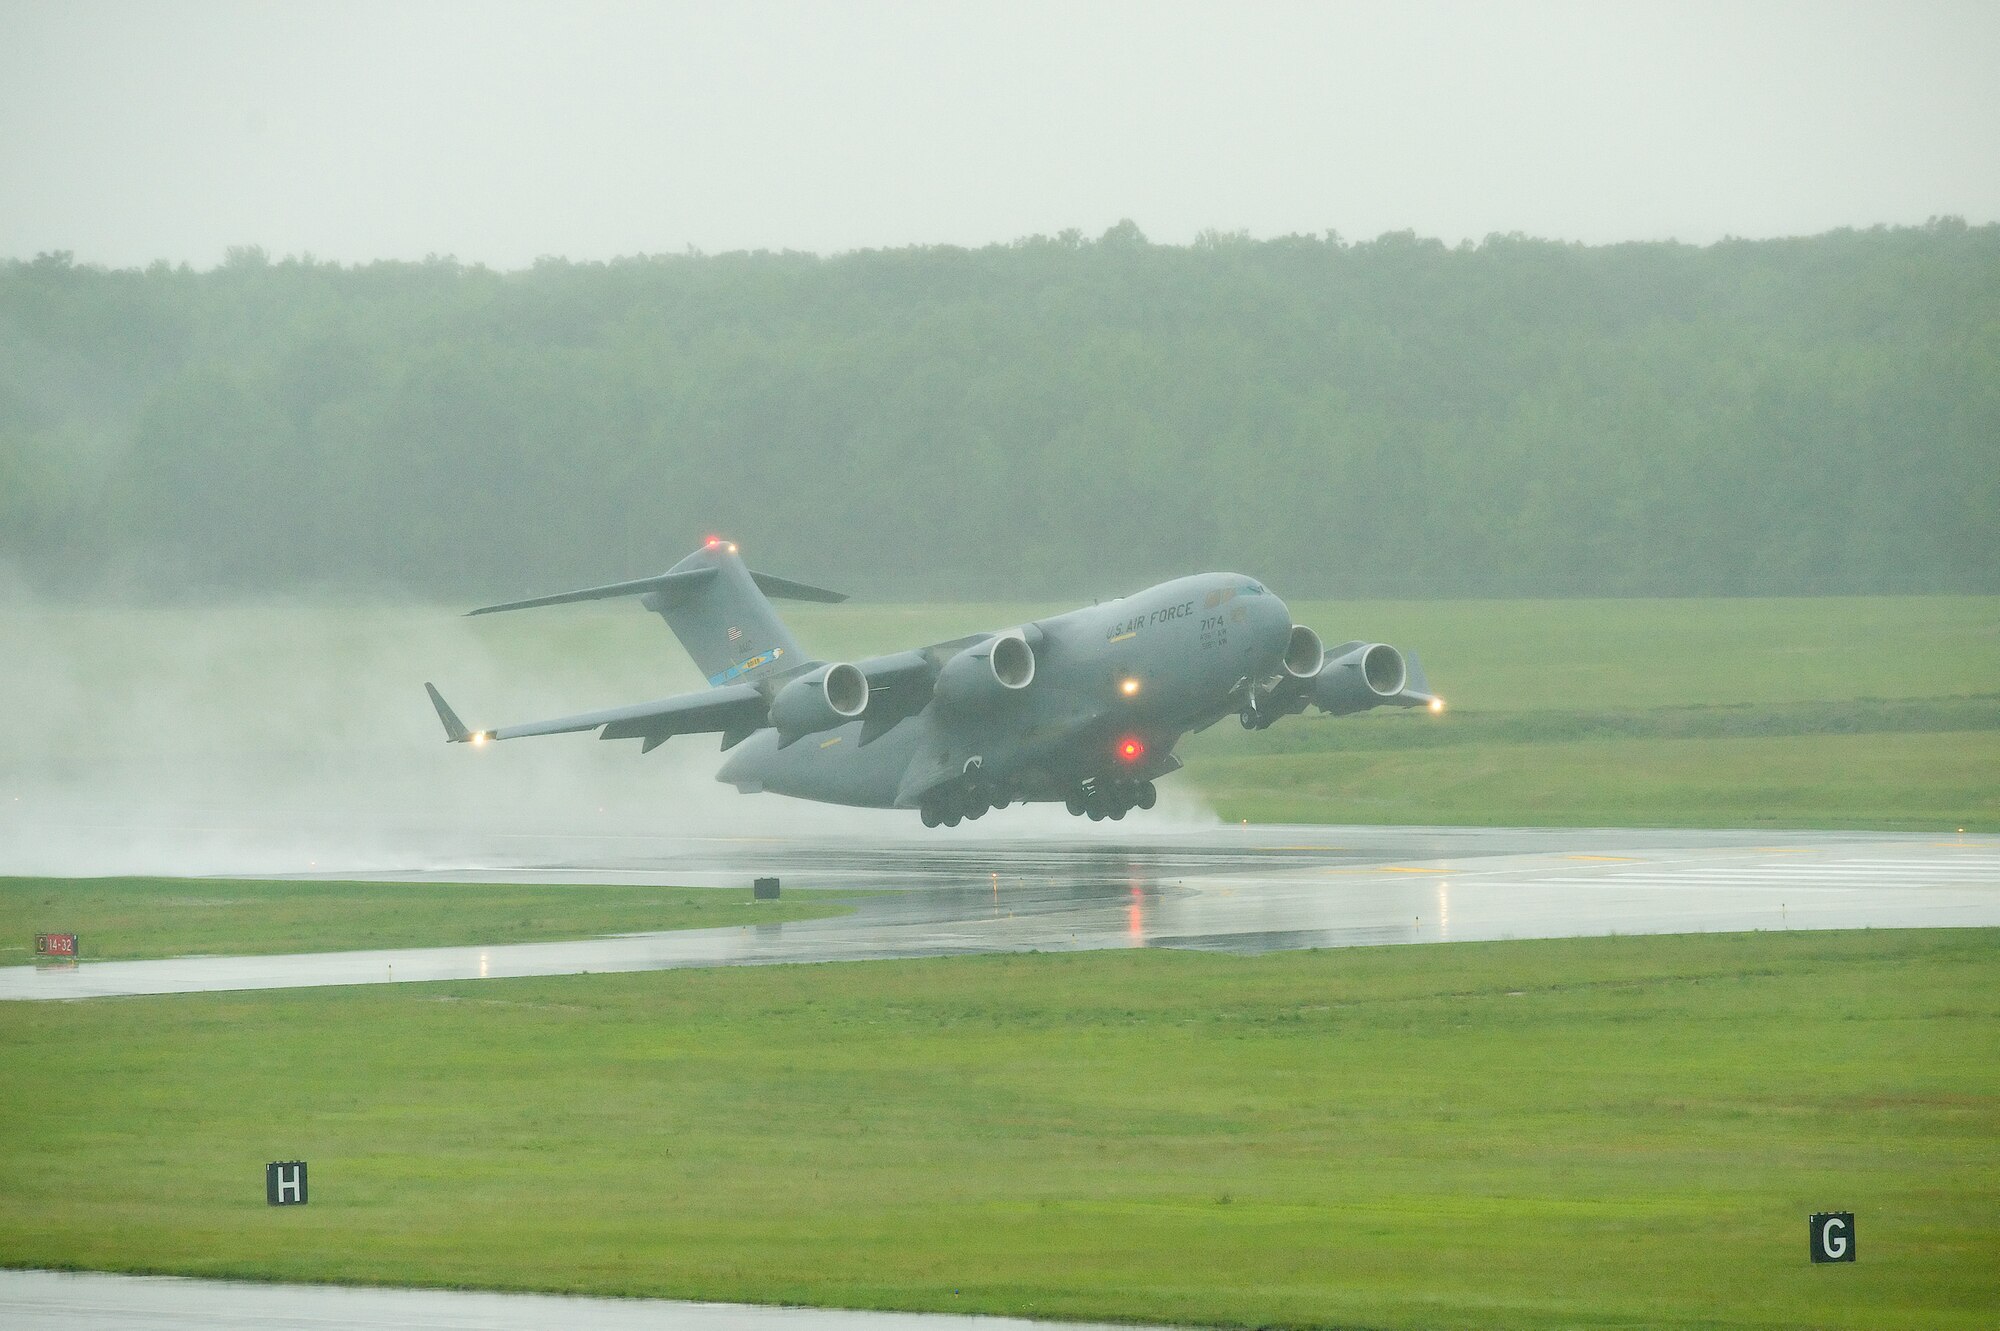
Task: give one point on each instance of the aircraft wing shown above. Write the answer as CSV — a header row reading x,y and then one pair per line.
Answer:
x,y
735,710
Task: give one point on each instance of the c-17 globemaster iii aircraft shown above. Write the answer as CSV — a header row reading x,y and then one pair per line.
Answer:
x,y
1083,707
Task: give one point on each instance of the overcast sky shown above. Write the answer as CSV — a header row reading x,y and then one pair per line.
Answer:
x,y
499,132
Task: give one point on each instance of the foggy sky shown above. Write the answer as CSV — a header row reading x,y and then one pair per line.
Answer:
x,y
499,132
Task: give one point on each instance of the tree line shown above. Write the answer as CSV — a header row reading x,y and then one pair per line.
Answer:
x,y
1060,415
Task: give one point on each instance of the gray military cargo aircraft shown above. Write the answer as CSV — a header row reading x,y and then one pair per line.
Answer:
x,y
1083,708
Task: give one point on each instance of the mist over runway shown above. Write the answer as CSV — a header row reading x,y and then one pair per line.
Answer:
x,y
1240,889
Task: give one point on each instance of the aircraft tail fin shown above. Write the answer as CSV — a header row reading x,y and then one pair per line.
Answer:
x,y
717,606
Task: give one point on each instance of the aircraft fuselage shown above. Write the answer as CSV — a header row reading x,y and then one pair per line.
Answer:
x,y
1116,686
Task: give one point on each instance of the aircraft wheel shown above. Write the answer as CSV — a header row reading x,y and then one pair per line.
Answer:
x,y
1119,811
1096,814
1149,795
952,819
930,815
1075,806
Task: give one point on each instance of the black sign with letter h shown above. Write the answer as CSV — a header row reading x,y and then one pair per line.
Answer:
x,y
285,1183
1833,1236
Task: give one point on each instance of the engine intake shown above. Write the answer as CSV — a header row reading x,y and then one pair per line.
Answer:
x,y
987,672
820,699
1304,653
1367,675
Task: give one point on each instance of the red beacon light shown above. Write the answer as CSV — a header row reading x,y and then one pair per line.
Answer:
x,y
1131,749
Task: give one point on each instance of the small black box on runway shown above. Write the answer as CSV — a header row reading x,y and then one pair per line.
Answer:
x,y
764,889
285,1183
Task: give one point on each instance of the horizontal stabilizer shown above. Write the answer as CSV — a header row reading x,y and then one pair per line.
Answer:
x,y
787,590
670,586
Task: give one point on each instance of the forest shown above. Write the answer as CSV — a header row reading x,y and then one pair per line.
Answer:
x,y
1057,416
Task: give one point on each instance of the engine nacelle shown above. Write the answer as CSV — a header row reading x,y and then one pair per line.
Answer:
x,y
1304,653
1367,675
986,673
820,699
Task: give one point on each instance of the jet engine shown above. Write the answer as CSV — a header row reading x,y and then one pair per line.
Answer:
x,y
1364,675
987,672
820,699
1304,653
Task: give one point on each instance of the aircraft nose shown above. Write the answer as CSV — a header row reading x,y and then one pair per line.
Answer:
x,y
1274,626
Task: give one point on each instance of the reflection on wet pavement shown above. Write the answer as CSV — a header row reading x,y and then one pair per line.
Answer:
x,y
1243,890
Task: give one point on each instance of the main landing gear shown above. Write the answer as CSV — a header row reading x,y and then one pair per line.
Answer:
x,y
1112,799
951,807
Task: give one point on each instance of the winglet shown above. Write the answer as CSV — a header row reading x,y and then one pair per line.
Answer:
x,y
454,729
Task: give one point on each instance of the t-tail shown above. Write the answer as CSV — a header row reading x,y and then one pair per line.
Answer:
x,y
717,606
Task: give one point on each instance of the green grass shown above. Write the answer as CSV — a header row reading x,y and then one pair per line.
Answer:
x,y
1910,782
1609,1132
169,917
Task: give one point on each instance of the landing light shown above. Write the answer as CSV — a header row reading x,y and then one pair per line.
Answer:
x,y
479,738
732,547
1437,705
1129,687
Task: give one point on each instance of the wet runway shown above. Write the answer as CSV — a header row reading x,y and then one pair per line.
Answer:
x,y
1233,889
38,1300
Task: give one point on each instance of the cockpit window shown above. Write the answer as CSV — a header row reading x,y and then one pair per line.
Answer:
x,y
1252,589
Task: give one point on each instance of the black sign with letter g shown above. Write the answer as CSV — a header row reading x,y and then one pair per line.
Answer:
x,y
1833,1236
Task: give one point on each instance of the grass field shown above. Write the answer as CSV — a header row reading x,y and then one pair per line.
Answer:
x,y
170,917
1910,782
1662,712
1610,1132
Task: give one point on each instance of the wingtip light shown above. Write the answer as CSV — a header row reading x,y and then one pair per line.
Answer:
x,y
1437,706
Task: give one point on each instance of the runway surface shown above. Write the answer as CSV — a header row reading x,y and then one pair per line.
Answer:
x,y
48,1300
1233,889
